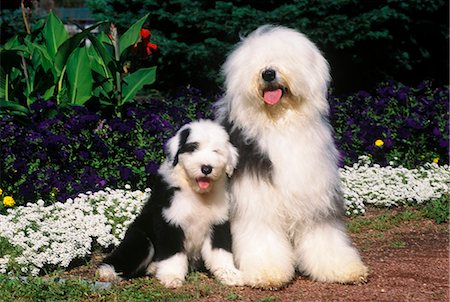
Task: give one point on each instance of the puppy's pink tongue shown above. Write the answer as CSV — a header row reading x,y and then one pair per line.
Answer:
x,y
203,183
272,97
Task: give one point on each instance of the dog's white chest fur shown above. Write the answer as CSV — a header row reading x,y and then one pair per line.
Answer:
x,y
196,215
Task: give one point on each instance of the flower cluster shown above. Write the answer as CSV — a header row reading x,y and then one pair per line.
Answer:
x,y
367,184
395,123
53,236
8,201
64,151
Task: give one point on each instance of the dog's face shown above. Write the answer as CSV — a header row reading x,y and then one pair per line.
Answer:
x,y
277,68
201,151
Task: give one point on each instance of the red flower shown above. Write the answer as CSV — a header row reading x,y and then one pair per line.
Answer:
x,y
146,45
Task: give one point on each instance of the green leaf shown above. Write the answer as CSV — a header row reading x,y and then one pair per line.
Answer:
x,y
54,34
103,57
12,106
135,81
41,56
70,45
132,35
80,77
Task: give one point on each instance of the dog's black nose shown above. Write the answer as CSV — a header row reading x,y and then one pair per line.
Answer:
x,y
268,75
206,169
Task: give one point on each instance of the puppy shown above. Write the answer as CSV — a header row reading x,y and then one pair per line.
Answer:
x,y
287,206
186,217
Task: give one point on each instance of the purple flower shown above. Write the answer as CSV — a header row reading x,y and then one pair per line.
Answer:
x,y
139,153
151,168
413,123
125,172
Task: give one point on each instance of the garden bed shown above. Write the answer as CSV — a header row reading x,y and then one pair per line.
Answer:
x,y
407,255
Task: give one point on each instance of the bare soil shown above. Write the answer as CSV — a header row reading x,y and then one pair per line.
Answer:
x,y
408,262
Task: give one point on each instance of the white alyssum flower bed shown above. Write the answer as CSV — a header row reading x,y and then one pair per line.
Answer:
x,y
366,184
52,236
47,237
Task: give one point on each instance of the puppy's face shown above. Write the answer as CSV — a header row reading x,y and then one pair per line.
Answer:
x,y
201,151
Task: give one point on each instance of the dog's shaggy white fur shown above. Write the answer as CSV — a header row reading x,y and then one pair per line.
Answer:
x,y
287,205
186,218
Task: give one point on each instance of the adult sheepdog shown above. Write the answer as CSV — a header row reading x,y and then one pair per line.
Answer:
x,y
186,217
287,206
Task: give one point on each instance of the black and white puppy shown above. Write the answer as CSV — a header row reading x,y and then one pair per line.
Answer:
x,y
186,218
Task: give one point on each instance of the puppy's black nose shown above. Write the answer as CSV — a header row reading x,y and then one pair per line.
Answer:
x,y
206,169
268,75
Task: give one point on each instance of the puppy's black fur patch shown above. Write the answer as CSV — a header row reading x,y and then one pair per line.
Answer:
x,y
148,231
183,146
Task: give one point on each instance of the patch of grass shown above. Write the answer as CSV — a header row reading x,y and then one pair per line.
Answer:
x,y
40,289
233,297
438,209
398,244
383,222
269,299
44,289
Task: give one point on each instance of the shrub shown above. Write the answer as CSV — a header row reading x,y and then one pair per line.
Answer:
x,y
49,64
365,41
64,151
394,124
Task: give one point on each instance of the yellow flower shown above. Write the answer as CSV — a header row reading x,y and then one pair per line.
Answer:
x,y
1,191
436,160
379,143
8,201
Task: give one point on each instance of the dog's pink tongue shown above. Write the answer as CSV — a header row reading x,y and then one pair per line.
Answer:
x,y
272,97
203,183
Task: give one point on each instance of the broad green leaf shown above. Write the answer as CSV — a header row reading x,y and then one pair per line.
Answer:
x,y
43,58
80,77
54,33
132,35
13,108
102,57
135,81
14,44
70,45
4,85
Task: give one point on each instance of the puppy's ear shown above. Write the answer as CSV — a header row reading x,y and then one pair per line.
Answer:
x,y
232,160
171,148
176,144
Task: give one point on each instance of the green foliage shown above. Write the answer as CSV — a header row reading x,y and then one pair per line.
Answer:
x,y
50,64
438,209
374,39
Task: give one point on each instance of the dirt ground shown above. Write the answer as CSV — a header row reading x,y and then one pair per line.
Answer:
x,y
408,262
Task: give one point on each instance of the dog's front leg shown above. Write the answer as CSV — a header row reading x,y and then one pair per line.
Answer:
x,y
216,253
172,271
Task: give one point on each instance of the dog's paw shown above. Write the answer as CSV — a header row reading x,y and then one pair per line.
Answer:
x,y
229,276
107,273
353,273
268,280
170,281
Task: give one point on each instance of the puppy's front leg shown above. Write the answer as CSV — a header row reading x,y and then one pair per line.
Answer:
x,y
216,253
172,271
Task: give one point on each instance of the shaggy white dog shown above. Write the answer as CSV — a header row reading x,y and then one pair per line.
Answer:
x,y
186,218
287,206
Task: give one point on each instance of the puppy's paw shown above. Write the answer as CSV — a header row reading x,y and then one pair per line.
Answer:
x,y
107,273
170,281
229,276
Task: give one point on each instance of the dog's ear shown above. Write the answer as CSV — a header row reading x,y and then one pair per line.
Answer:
x,y
172,148
176,144
232,160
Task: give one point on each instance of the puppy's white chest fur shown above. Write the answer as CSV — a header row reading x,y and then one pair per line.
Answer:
x,y
196,215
